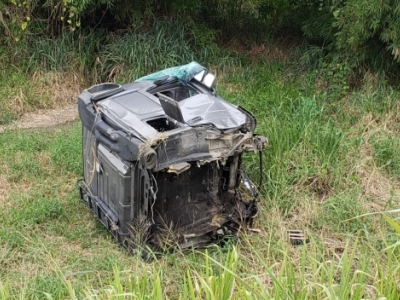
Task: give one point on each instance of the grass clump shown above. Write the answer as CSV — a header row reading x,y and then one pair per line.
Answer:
x,y
22,93
66,53
133,55
387,154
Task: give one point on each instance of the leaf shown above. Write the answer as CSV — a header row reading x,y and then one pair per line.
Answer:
x,y
336,13
392,223
24,25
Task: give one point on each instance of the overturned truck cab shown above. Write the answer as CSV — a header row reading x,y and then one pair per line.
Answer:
x,y
162,159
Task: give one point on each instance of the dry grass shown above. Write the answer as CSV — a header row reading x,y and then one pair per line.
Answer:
x,y
60,88
379,192
307,209
370,124
392,119
374,183
5,188
156,139
271,52
44,91
370,82
281,52
16,102
25,268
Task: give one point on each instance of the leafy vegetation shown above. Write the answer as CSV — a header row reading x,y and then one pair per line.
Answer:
x,y
344,37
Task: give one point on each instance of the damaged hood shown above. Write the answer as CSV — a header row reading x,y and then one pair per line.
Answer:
x,y
204,109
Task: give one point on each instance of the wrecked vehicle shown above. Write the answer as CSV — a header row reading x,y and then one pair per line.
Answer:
x,y
162,159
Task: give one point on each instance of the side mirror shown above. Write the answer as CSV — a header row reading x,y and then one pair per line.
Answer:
x,y
208,80
205,78
200,76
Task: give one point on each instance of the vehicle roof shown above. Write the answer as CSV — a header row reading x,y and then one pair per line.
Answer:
x,y
134,106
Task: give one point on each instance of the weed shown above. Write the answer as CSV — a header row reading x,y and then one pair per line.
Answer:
x,y
128,57
387,154
66,53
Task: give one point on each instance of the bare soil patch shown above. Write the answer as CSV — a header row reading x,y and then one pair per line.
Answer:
x,y
44,118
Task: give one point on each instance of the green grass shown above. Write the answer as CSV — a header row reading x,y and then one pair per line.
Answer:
x,y
98,57
128,57
330,168
388,154
14,85
66,53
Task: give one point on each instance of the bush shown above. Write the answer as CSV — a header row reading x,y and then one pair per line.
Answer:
x,y
361,34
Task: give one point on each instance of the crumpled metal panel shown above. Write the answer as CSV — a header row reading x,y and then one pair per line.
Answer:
x,y
203,109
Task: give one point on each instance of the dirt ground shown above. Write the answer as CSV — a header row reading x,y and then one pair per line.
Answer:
x,y
44,118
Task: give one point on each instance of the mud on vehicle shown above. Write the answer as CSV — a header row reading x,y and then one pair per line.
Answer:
x,y
162,159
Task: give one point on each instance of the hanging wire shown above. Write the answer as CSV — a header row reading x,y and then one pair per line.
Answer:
x,y
154,193
261,172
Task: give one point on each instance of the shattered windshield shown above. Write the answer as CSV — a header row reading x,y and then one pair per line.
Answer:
x,y
184,73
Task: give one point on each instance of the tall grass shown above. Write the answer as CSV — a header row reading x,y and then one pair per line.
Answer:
x,y
307,272
124,57
305,147
67,53
166,44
